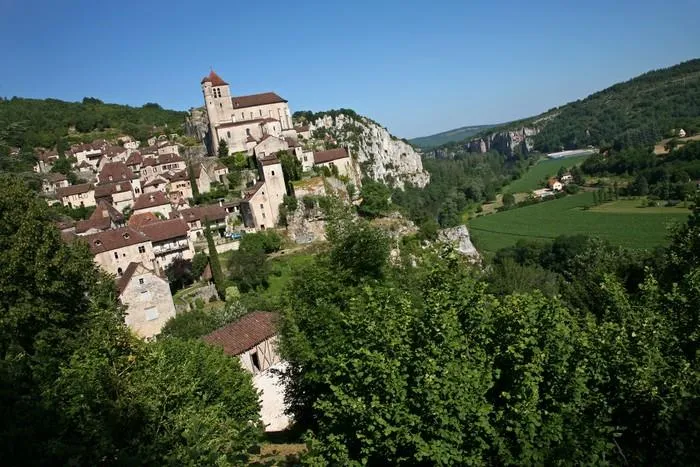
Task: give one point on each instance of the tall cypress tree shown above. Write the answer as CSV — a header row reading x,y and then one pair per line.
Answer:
x,y
193,181
214,263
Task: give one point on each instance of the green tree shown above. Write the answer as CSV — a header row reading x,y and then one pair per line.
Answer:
x,y
199,263
193,180
249,269
508,200
375,199
223,148
215,265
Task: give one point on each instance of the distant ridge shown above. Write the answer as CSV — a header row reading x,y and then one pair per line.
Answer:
x,y
458,134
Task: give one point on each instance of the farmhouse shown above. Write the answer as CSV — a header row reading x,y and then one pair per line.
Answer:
x,y
147,298
115,249
253,339
554,184
76,196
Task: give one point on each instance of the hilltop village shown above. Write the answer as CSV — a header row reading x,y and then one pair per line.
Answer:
x,y
143,193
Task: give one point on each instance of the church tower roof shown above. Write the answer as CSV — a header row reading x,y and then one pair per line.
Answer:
x,y
214,79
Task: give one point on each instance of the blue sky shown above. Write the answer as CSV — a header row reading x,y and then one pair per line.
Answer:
x,y
416,67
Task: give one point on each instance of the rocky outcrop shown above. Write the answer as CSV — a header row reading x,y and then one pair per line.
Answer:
x,y
509,143
459,238
197,124
380,155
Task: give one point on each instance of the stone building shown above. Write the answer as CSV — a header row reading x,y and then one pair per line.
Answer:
x,y
149,303
338,158
170,240
253,339
75,196
242,121
260,206
155,202
115,249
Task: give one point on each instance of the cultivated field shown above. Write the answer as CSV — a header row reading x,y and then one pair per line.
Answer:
x,y
545,168
620,222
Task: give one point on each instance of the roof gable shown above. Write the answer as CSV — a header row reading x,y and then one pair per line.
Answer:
x,y
246,333
321,157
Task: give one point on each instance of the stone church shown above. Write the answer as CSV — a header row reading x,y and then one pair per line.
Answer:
x,y
243,121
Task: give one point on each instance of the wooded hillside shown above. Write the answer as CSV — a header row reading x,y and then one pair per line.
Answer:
x,y
29,123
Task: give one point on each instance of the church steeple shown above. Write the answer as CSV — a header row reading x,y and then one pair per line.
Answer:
x,y
214,79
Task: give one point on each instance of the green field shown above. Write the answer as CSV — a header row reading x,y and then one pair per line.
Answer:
x,y
545,168
620,222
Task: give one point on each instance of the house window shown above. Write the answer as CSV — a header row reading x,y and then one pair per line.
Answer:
x,y
228,134
306,159
119,271
140,280
255,361
151,313
261,112
116,255
142,249
263,215
261,206
273,172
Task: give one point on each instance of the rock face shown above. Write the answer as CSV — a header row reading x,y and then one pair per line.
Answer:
x,y
197,124
508,143
380,155
459,238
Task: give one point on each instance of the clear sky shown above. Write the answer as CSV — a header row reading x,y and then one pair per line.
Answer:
x,y
416,67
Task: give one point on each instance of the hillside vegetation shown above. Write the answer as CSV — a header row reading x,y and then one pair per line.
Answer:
x,y
48,123
458,134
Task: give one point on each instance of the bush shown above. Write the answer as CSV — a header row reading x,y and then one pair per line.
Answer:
x,y
572,188
267,241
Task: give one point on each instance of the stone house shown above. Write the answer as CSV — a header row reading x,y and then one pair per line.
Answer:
x,y
554,184
53,182
75,196
169,239
338,158
260,206
180,188
160,165
155,184
45,161
118,194
195,220
270,145
148,300
115,249
218,172
155,202
105,217
253,339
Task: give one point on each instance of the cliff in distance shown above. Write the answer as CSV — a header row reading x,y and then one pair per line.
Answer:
x,y
380,155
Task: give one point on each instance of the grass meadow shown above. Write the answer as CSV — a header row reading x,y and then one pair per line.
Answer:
x,y
545,168
622,222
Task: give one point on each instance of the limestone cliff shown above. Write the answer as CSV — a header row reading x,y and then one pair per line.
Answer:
x,y
380,155
458,237
507,142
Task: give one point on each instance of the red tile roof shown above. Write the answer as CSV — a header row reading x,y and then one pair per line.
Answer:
x,y
74,190
241,102
269,160
114,171
321,157
214,79
141,218
244,334
113,239
101,218
254,189
165,230
108,189
213,212
134,158
149,200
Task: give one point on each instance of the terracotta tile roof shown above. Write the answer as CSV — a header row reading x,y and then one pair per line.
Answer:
x,y
182,176
113,239
149,200
165,230
74,190
141,218
159,180
214,79
244,122
102,218
134,158
321,157
108,189
123,281
269,160
254,189
241,102
220,166
169,158
149,161
246,333
114,171
56,177
213,212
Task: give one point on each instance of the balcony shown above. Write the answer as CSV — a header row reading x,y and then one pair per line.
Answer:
x,y
170,247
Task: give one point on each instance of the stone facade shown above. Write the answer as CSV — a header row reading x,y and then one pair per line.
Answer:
x,y
148,300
